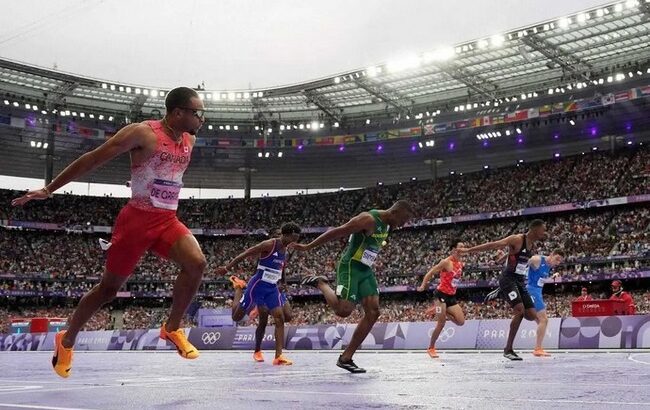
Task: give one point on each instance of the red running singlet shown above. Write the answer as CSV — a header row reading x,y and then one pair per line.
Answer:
x,y
156,183
449,280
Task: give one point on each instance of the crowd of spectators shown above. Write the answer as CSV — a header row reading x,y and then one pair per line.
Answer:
x,y
597,241
593,176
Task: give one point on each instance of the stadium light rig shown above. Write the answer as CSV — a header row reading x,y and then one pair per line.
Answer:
x,y
38,144
373,71
405,63
497,40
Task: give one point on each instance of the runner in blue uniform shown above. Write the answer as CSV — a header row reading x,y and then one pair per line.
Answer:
x,y
539,268
262,289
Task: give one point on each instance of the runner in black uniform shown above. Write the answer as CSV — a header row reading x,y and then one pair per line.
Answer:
x,y
512,282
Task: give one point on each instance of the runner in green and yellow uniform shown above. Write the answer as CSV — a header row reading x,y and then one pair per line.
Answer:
x,y
355,278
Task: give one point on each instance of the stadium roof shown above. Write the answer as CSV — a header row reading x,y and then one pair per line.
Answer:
x,y
575,50
561,87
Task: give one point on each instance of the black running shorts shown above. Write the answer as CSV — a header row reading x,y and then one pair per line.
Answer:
x,y
449,300
514,291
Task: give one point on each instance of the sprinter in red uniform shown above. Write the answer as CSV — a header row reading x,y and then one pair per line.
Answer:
x,y
160,152
451,270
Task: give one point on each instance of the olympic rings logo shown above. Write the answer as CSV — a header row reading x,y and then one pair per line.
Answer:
x,y
210,338
446,334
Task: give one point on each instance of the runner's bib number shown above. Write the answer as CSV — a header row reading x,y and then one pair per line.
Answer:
x,y
369,256
270,275
164,194
522,269
540,282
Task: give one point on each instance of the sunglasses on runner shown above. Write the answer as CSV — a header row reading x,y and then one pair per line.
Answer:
x,y
198,113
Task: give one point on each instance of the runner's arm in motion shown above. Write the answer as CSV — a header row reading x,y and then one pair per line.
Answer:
x,y
442,265
126,139
252,252
510,241
500,257
361,222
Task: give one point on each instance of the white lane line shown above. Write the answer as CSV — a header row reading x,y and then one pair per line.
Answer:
x,y
263,376
19,388
59,389
110,383
429,396
154,381
631,357
32,381
180,379
34,406
326,393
